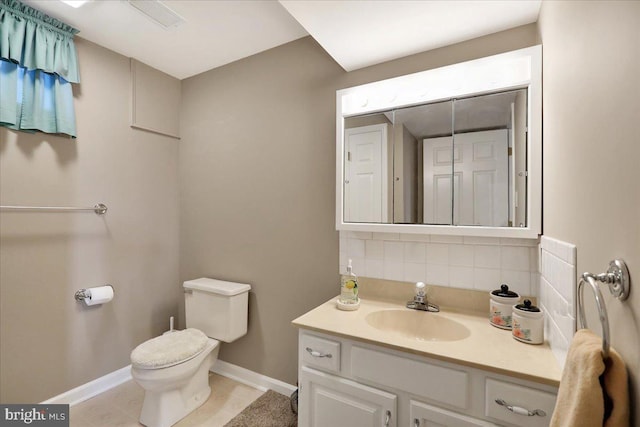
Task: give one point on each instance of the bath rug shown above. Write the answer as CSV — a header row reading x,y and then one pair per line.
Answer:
x,y
272,409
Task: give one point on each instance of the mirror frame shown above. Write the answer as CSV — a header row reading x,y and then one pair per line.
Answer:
x,y
519,69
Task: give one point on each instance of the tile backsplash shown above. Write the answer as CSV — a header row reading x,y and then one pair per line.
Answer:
x,y
558,293
480,263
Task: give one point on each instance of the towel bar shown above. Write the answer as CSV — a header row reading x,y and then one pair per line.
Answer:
x,y
617,277
99,209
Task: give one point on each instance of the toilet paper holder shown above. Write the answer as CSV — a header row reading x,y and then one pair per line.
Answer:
x,y
82,294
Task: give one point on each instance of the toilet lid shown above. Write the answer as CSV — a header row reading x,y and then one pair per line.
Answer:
x,y
169,349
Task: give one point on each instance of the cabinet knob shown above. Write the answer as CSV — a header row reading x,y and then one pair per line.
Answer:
x,y
416,422
387,418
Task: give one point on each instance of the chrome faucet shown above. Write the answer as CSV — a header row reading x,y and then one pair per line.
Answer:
x,y
420,302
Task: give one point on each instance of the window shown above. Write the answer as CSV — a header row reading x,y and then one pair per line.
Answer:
x,y
38,65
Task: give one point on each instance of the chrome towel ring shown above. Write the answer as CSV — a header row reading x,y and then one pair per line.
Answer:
x,y
617,277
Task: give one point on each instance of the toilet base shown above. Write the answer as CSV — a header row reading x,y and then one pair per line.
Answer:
x,y
165,407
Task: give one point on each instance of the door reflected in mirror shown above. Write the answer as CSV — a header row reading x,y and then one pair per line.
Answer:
x,y
368,169
456,162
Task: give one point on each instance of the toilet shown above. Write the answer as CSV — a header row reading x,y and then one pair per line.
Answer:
x,y
173,369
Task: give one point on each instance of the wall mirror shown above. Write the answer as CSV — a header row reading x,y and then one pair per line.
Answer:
x,y
454,150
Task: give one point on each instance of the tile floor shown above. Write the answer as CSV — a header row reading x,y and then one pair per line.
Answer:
x,y
120,406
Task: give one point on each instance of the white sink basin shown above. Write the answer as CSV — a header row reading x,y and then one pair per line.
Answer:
x,y
417,325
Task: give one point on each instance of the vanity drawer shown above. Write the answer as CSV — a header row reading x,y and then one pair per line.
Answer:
x,y
320,353
523,399
438,383
423,415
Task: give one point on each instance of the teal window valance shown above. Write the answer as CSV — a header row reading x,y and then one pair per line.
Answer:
x,y
38,63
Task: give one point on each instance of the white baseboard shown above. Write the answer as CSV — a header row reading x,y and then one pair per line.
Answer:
x,y
92,388
250,378
115,378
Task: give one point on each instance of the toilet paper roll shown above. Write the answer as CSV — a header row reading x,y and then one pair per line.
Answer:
x,y
99,295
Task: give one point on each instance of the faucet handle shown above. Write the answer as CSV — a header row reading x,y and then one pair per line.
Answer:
x,y
420,302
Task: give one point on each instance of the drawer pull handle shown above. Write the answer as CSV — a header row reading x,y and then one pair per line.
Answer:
x,y
318,354
520,410
387,418
416,422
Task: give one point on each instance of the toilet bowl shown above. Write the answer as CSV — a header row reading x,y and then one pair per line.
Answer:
x,y
173,389
173,368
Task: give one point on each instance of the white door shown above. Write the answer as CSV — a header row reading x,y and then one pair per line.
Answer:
x,y
326,400
423,415
475,190
483,173
438,180
365,185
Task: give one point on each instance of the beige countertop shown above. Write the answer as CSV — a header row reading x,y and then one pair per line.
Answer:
x,y
486,347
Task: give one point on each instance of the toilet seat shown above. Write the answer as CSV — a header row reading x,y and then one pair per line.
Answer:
x,y
169,349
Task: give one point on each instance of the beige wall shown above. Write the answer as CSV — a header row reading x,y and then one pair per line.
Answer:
x,y
592,148
257,181
152,109
257,178
50,343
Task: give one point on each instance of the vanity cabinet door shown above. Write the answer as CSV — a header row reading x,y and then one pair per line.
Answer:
x,y
327,400
423,415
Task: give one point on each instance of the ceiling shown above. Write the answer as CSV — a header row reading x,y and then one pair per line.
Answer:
x,y
356,34
492,111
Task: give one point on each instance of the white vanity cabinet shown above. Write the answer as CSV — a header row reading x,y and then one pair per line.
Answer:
x,y
349,383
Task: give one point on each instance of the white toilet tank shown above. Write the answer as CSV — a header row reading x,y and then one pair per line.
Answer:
x,y
217,308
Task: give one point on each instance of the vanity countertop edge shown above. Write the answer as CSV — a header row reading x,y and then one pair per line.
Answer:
x,y
487,347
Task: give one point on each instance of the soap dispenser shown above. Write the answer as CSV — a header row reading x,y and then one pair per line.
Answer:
x,y
348,299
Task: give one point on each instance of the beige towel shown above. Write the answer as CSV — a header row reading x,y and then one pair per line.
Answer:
x,y
581,400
